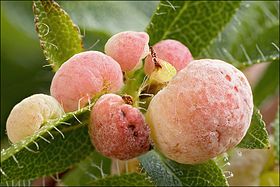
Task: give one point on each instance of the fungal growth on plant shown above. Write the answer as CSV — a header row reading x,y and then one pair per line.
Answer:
x,y
146,108
172,51
203,112
30,114
128,49
118,130
83,76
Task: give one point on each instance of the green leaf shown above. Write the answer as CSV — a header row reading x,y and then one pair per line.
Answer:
x,y
166,172
40,155
132,179
256,136
59,37
194,23
93,167
268,83
251,37
276,135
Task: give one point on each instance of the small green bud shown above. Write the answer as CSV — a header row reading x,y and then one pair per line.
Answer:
x,y
163,72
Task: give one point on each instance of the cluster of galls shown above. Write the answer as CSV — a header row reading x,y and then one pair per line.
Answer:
x,y
203,109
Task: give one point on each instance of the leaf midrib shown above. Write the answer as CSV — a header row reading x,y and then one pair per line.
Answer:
x,y
175,20
260,141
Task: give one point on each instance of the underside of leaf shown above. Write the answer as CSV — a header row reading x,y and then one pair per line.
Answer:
x,y
165,172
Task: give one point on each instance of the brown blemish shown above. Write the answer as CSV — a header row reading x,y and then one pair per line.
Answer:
x,y
131,126
154,58
219,135
123,113
135,134
124,77
228,77
228,120
150,147
127,99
